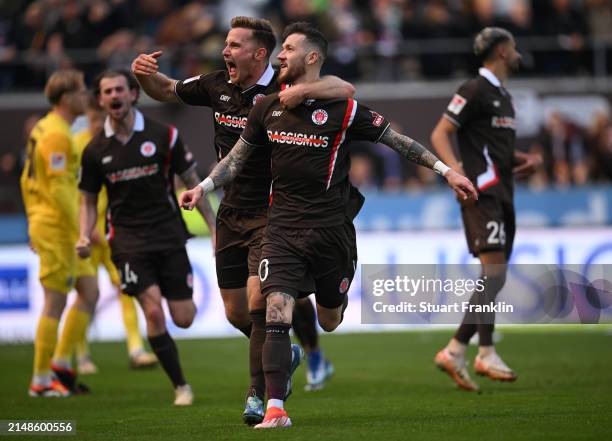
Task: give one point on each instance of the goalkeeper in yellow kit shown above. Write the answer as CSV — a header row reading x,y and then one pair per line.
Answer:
x,y
101,255
49,190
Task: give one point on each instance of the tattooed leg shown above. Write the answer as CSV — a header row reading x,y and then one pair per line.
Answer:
x,y
276,353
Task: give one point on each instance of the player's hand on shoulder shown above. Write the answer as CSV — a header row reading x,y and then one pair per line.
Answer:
x,y
188,199
83,247
528,163
461,185
291,97
146,64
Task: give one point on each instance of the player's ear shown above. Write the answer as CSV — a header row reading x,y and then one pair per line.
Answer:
x,y
502,50
312,57
261,53
134,95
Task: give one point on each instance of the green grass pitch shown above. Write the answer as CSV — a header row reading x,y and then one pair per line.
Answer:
x,y
385,388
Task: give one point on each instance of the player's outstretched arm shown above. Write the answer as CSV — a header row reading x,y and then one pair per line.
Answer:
x,y
88,216
155,84
223,173
326,87
191,180
442,144
415,152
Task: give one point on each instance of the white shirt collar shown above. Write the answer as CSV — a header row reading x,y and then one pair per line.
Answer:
x,y
267,76
138,124
483,71
265,79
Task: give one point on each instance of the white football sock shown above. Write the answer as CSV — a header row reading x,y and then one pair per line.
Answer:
x,y
276,403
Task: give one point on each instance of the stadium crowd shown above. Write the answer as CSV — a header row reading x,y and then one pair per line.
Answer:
x,y
371,39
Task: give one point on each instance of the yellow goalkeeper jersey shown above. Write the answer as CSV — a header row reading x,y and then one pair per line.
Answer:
x,y
81,139
49,177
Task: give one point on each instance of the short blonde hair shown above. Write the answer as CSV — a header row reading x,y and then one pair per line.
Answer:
x,y
61,82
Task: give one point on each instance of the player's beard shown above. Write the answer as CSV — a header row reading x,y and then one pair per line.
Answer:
x,y
119,114
292,73
514,66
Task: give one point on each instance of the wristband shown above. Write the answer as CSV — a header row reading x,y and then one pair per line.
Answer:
x,y
440,168
207,185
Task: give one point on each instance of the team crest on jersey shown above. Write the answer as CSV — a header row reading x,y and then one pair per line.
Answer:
x,y
457,104
190,280
147,149
344,285
257,98
319,117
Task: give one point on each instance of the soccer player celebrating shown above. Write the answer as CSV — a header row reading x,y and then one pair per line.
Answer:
x,y
49,190
243,212
100,255
482,115
136,159
306,231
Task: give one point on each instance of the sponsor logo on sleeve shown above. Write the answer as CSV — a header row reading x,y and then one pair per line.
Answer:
x,y
344,285
319,117
58,161
457,104
377,118
224,98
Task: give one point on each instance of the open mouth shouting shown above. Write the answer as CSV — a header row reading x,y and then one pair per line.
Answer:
x,y
231,68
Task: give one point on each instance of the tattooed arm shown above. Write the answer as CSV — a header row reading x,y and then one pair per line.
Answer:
x,y
224,172
415,152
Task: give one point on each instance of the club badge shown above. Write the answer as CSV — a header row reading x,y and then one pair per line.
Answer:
x,y
319,117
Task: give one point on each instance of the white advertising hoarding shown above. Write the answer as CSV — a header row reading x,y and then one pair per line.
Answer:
x,y
21,295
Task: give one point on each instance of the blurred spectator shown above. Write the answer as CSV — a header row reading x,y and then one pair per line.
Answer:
x,y
435,23
188,34
601,148
369,38
567,24
361,172
562,144
386,27
11,162
343,59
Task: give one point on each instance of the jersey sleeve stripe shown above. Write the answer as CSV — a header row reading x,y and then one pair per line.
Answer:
x,y
173,136
176,93
383,132
250,143
349,115
451,119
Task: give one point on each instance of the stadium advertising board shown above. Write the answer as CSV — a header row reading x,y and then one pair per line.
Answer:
x,y
21,297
